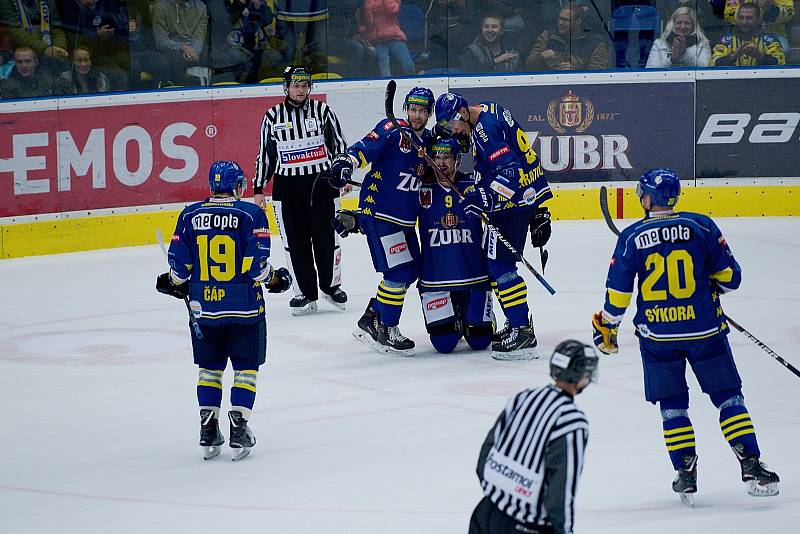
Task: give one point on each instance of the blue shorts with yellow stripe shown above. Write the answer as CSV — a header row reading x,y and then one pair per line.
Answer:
x,y
393,247
664,362
245,345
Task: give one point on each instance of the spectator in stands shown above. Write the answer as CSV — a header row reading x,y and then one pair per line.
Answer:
x,y
180,28
92,24
683,43
347,55
28,81
257,21
569,46
645,37
33,26
84,77
229,60
748,45
775,15
302,28
451,27
489,52
379,27
148,68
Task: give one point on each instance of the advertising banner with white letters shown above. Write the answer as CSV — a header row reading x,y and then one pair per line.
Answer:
x,y
128,154
748,128
602,132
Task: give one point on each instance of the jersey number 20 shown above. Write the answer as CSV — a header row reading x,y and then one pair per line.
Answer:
x,y
675,261
221,250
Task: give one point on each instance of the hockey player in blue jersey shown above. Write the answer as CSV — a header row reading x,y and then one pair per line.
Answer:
x,y
510,188
682,263
219,257
389,203
454,286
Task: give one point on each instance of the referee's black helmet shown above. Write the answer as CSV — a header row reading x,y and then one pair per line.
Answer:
x,y
572,361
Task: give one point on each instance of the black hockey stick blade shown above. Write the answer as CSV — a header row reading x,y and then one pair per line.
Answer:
x,y
604,209
391,89
543,256
761,344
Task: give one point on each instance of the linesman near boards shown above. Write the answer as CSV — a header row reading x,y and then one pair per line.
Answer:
x,y
297,138
532,458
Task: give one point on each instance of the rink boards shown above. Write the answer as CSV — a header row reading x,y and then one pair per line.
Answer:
x,y
95,172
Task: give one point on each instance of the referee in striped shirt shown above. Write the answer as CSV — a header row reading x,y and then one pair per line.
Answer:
x,y
532,458
298,137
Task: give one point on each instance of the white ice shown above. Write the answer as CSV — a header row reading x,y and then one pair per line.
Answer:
x,y
100,425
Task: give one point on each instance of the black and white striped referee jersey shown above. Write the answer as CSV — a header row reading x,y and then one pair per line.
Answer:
x,y
532,458
297,141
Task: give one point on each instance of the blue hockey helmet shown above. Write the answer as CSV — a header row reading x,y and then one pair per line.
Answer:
x,y
663,186
447,145
448,106
226,177
421,96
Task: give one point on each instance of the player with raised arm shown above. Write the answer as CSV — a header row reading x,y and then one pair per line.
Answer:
x,y
389,203
682,263
219,257
510,188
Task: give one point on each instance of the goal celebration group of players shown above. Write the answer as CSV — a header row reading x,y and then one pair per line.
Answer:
x,y
458,237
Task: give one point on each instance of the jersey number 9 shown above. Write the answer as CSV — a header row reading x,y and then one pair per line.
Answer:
x,y
675,261
525,146
221,249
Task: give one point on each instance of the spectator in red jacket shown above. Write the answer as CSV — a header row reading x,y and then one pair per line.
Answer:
x,y
379,26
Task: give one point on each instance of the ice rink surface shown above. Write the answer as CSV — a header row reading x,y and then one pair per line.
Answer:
x,y
100,424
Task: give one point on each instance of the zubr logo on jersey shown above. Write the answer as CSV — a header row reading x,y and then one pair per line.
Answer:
x,y
570,117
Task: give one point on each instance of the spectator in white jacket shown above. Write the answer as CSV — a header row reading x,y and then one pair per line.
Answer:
x,y
683,43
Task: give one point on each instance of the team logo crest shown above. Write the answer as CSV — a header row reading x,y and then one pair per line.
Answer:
x,y
449,220
425,197
570,111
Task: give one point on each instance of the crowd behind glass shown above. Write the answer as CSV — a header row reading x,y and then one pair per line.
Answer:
x,y
61,47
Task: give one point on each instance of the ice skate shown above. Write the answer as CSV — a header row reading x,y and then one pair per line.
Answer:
x,y
242,439
302,306
760,481
391,341
211,439
519,343
685,484
338,299
502,333
367,325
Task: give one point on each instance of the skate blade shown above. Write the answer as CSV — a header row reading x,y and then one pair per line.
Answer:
x,y
338,305
757,490
530,353
367,340
211,452
305,310
240,454
687,499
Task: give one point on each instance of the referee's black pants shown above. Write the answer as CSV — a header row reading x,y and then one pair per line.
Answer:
x,y
488,519
308,237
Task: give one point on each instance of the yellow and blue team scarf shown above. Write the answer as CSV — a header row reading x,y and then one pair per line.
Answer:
x,y
44,20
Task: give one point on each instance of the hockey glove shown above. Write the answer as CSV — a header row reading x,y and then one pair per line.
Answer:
x,y
281,280
341,170
605,334
540,227
478,202
346,223
164,285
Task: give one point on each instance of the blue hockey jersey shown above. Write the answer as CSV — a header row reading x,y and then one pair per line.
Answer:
x,y
390,188
221,246
452,257
682,263
500,145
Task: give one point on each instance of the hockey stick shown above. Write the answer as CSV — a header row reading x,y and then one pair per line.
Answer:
x,y
604,209
734,324
391,88
195,326
326,176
